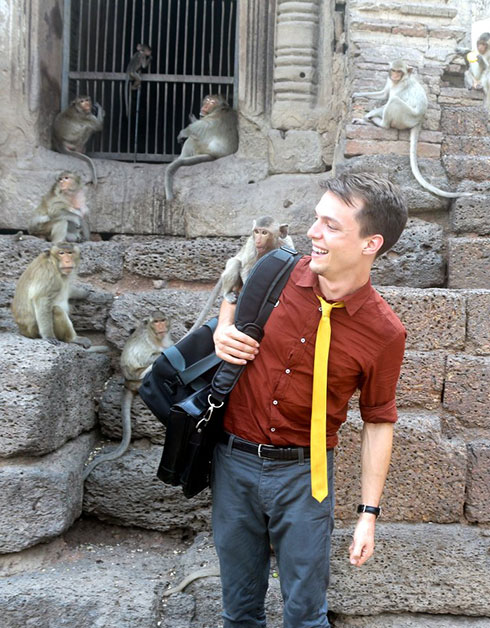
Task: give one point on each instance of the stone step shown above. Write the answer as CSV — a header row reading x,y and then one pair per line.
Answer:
x,y
470,214
127,492
41,497
469,262
49,396
128,571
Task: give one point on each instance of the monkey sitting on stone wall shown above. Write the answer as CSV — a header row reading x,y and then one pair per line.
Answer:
x,y
140,351
62,215
267,234
405,109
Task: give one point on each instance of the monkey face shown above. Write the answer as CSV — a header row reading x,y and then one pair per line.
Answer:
x,y
67,181
482,47
262,240
396,75
64,256
84,104
160,328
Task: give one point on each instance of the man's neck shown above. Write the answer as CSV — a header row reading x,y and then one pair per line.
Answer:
x,y
336,290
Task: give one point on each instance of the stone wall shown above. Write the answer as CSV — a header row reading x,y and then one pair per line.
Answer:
x,y
61,405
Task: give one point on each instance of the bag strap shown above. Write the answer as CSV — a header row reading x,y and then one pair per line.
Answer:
x,y
177,360
257,299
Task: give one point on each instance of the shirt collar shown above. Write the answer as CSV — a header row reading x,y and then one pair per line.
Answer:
x,y
308,279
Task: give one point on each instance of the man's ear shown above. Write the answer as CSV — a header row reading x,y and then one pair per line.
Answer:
x,y
373,244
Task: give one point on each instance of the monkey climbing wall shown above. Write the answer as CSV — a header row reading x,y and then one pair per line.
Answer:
x,y
193,54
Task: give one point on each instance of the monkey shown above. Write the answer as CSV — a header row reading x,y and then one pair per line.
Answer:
x,y
198,573
405,109
40,305
213,136
139,61
62,215
267,234
477,76
142,348
73,127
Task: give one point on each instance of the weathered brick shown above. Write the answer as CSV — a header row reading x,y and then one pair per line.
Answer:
x,y
466,144
464,121
434,319
478,325
460,167
432,137
410,30
426,481
369,132
466,389
447,33
375,27
370,147
477,506
470,214
468,262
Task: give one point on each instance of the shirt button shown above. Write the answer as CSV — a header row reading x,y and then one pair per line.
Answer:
x,y
288,371
303,339
275,402
273,429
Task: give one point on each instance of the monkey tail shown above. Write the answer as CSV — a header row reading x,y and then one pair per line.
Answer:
x,y
209,304
127,402
414,136
199,573
175,165
87,160
126,96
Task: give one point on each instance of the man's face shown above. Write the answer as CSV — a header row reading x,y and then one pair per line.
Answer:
x,y
336,244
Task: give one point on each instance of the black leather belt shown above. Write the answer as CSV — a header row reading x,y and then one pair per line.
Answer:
x,y
269,452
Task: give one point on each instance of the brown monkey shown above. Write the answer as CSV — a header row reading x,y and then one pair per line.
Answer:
x,y
40,306
139,61
74,126
405,109
62,215
213,136
477,76
267,234
140,351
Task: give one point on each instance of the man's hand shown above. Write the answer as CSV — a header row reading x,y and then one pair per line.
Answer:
x,y
362,546
234,346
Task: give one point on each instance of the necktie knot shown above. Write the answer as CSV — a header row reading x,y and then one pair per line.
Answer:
x,y
328,307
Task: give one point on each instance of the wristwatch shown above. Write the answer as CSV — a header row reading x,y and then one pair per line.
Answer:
x,y
372,510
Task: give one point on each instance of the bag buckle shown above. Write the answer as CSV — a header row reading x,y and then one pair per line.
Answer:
x,y
209,413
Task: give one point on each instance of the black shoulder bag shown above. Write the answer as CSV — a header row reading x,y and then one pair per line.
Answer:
x,y
188,393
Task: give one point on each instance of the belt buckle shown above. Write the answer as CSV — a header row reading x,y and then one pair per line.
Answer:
x,y
259,453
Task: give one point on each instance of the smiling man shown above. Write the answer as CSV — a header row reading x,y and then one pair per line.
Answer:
x,y
273,472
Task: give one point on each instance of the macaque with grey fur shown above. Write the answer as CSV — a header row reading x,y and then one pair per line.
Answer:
x,y
140,351
214,135
405,109
62,215
267,234
477,76
40,306
73,128
139,61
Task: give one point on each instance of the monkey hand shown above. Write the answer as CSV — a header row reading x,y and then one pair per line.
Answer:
x,y
359,121
100,111
181,137
82,341
234,346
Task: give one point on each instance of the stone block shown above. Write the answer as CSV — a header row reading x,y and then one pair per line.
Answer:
x,y
91,314
16,255
464,120
421,380
470,214
295,151
416,260
397,169
459,167
369,132
103,259
143,422
418,568
426,481
41,498
178,259
370,147
434,319
181,306
410,30
478,326
468,262
477,506
467,389
49,396
466,144
410,620
127,492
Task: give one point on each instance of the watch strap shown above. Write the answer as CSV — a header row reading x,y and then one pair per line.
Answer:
x,y
372,510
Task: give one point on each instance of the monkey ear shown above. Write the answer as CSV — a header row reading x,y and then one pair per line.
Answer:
x,y
254,224
283,230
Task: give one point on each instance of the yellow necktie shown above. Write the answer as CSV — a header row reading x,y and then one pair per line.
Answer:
x,y
318,430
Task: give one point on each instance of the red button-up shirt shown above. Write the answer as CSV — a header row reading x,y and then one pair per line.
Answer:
x,y
271,402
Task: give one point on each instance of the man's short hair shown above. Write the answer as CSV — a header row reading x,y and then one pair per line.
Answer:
x,y
383,209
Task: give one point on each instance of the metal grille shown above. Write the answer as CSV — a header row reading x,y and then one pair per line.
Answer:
x,y
193,54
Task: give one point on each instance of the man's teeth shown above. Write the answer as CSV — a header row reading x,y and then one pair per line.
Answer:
x,y
319,251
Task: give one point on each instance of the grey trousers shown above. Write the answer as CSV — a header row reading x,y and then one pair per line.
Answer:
x,y
258,503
